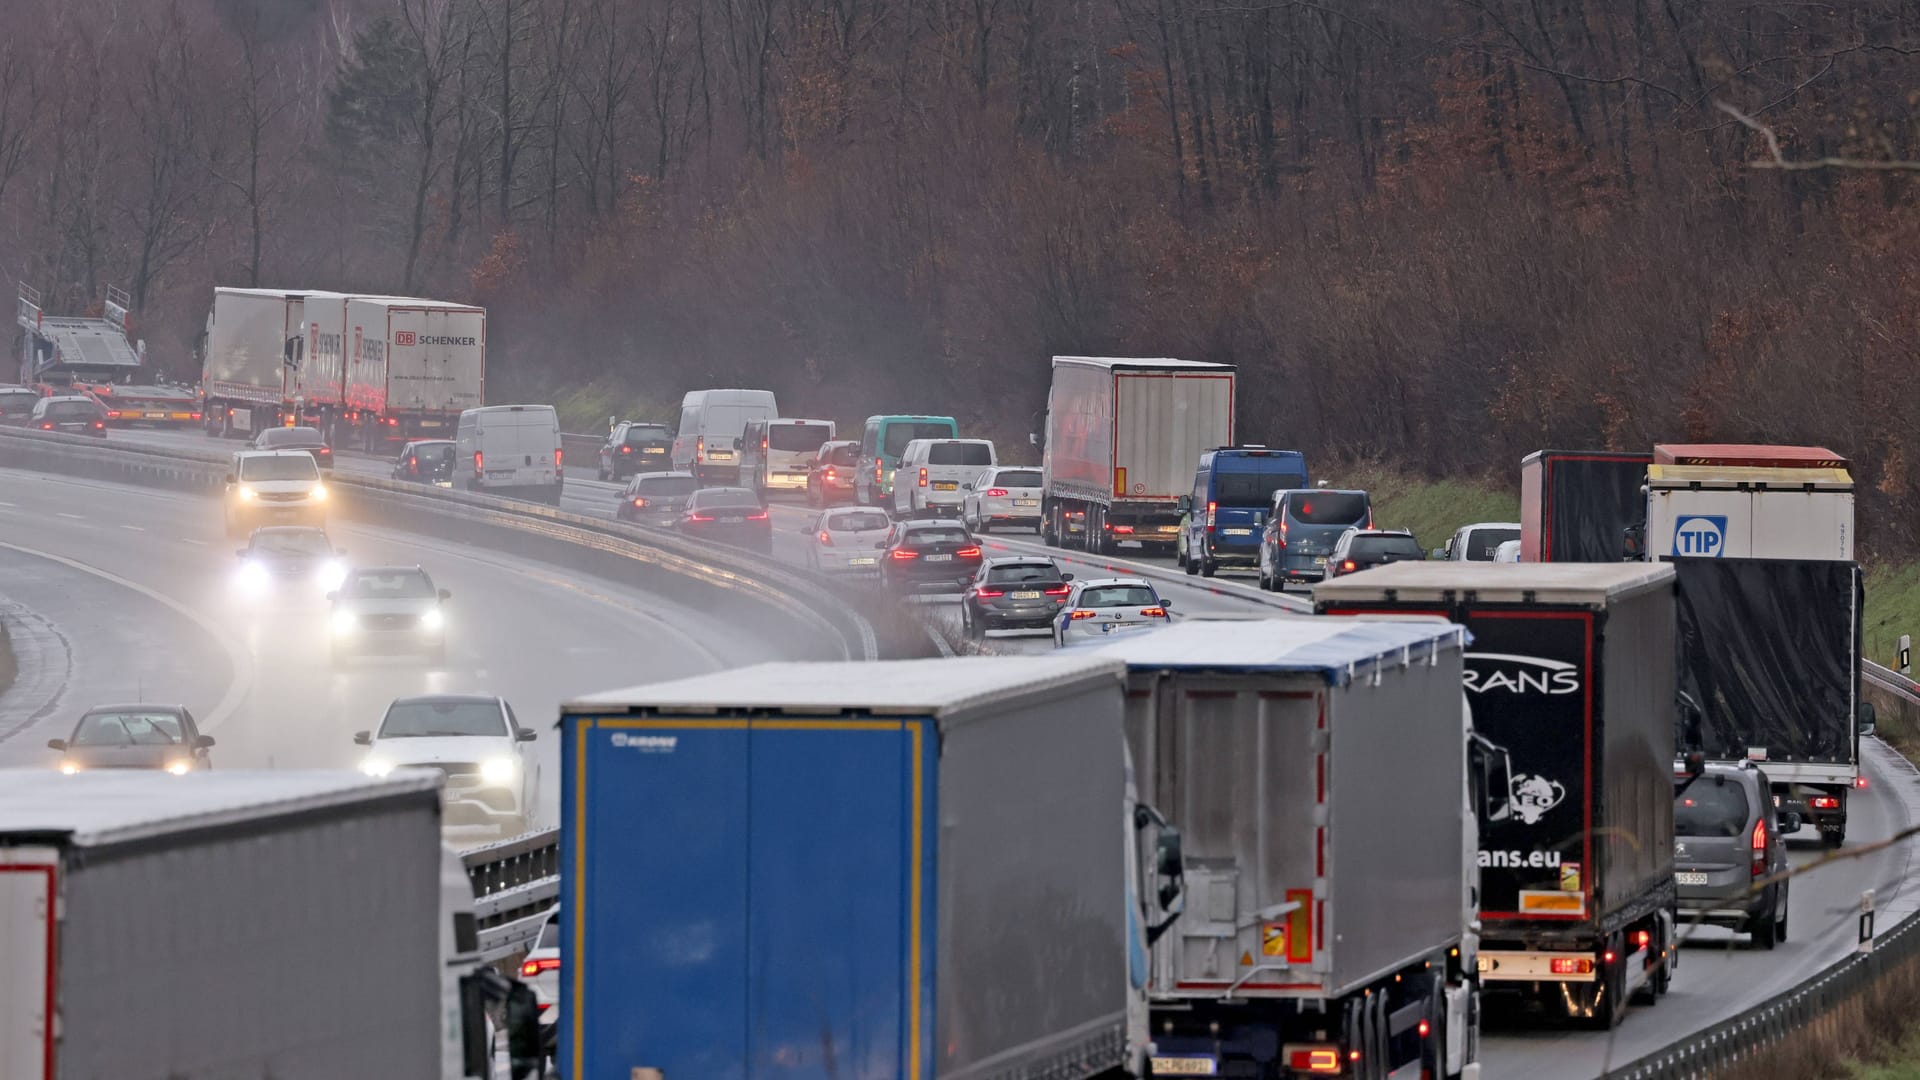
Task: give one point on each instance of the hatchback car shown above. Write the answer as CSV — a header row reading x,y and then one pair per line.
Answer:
x,y
729,515
929,554
1002,496
1108,606
274,487
289,560
16,405
296,438
1730,851
75,414
1301,529
848,540
381,610
476,742
1013,593
1360,549
656,498
831,474
135,737
633,447
426,461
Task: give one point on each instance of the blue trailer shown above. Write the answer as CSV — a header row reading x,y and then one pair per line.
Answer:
x,y
897,870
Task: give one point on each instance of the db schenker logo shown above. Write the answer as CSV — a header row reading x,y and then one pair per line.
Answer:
x,y
403,337
1700,536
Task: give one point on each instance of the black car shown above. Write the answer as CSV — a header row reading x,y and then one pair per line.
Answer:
x,y
929,553
297,438
657,498
75,414
135,737
1730,851
16,405
426,461
1021,592
1360,549
633,447
729,515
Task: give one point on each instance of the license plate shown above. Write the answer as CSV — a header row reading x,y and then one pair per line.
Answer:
x,y
653,450
156,416
1169,529
1319,560
1238,532
1184,1066
945,485
429,423
443,483
730,519
1026,596
1026,502
864,560
1689,877
939,558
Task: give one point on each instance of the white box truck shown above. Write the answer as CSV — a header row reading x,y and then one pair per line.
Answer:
x,y
254,349
1120,442
284,924
412,367
1748,502
1319,771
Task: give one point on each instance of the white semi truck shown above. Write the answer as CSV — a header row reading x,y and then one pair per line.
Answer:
x,y
252,356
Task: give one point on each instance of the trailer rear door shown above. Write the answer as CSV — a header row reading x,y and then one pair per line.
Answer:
x,y
27,892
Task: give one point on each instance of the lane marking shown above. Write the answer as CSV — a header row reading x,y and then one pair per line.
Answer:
x,y
133,528
191,540
242,664
64,514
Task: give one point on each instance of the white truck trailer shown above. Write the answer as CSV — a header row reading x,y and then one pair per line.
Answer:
x,y
254,348
1319,771
1120,442
412,367
1749,502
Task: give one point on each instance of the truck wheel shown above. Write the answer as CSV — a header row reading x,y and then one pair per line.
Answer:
x,y
1208,567
1833,836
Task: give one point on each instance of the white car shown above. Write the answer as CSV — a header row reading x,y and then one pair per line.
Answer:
x,y
540,969
928,483
1508,551
848,539
476,742
381,610
1002,496
1479,542
1106,606
274,487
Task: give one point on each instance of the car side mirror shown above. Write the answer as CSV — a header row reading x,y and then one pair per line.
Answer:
x,y
363,738
202,742
740,444
1066,577
966,487
56,744
332,596
1165,603
881,546
1184,504
1790,822
525,735
445,595
1868,719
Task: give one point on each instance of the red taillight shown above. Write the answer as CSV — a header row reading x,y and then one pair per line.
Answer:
x,y
1860,782
1641,939
1316,1059
1347,566
325,451
697,516
699,448
100,425
991,594
1824,802
196,416
113,414
393,421
1760,835
1211,507
761,516
826,538
479,463
1083,613
876,472
46,427
967,553
763,446
556,457
1059,590
1121,530
229,412
923,478
1607,956
903,554
639,503
1154,612
829,473
534,967
626,449
1572,966
996,493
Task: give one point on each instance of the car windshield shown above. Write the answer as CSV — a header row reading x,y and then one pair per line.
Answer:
x,y
1017,478
285,438
291,467
17,402
712,499
433,453
1482,543
796,437
857,521
291,542
1710,806
845,455
418,719
1023,572
127,729
959,453
646,433
388,585
934,534
904,432
1119,596
70,410
1329,508
1385,547
666,485
1252,488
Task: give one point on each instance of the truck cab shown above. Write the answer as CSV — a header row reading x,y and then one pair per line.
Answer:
x,y
1227,511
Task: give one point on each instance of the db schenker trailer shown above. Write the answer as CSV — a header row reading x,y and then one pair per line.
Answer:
x,y
1319,772
1571,671
905,869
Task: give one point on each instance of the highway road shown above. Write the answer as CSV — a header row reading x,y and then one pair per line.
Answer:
x,y
537,635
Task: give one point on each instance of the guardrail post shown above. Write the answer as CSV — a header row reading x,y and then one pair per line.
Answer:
x,y
1866,922
1906,654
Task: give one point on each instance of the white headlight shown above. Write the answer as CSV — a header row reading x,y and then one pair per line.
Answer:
x,y
69,768
497,770
319,493
376,767
178,768
252,576
345,622
433,620
332,575
246,493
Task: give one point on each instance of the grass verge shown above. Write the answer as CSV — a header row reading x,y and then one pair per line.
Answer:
x,y
1431,509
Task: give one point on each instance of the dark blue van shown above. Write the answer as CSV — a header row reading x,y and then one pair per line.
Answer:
x,y
1232,489
1301,530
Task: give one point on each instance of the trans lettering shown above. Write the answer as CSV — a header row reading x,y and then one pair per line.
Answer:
x,y
1519,860
1523,682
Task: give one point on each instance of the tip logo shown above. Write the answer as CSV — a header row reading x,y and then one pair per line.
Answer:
x,y
1700,536
403,337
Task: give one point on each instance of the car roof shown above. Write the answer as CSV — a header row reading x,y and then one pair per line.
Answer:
x,y
88,398
835,511
429,442
446,699
1110,582
281,530
673,475
298,429
272,453
930,523
149,706
1022,560
1380,532
1490,525
727,491
1319,491
416,568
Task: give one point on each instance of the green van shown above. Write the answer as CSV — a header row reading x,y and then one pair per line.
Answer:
x,y
880,446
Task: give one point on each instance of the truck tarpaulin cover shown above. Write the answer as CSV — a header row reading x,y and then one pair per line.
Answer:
x,y
1594,500
1767,649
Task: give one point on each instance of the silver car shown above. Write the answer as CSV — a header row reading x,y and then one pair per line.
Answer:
x,y
1730,851
1002,496
1107,606
383,610
848,540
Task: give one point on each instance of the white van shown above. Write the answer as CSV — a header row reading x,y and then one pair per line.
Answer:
x,y
934,473
711,423
511,450
775,454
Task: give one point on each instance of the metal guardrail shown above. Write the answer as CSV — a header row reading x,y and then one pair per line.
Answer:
x,y
1890,680
516,884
